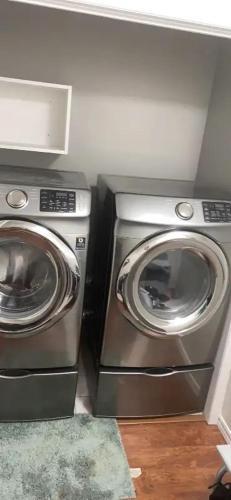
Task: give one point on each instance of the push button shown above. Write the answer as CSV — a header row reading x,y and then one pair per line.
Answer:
x,y
17,198
184,210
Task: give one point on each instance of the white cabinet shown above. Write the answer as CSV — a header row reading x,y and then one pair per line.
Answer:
x,y
34,116
194,15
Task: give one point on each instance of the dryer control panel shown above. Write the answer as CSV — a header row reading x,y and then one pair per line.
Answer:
x,y
44,201
217,211
52,200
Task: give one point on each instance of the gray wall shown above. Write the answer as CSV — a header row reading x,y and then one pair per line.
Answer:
x,y
215,162
140,94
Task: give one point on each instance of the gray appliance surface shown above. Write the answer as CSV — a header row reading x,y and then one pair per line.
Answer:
x,y
149,394
125,345
145,186
44,233
39,177
65,234
166,283
158,187
37,395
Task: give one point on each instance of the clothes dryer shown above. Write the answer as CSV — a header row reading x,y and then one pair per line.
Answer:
x,y
165,273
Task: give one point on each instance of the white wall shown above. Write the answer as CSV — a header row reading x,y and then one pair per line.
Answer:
x,y
216,396
140,93
226,408
214,167
214,172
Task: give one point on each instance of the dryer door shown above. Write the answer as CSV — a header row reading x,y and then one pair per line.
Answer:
x,y
173,283
39,277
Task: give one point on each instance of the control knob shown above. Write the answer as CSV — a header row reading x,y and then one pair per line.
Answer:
x,y
184,210
16,198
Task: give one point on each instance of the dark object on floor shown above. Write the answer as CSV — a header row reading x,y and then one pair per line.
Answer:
x,y
221,491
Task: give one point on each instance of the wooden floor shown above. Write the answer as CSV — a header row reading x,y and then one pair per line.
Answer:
x,y
178,459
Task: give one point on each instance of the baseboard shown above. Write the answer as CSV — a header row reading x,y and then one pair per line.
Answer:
x,y
224,429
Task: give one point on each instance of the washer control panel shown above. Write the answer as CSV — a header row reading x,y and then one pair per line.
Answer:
x,y
217,211
52,200
16,198
184,210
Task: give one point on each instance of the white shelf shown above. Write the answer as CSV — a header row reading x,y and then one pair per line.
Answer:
x,y
225,453
34,116
213,18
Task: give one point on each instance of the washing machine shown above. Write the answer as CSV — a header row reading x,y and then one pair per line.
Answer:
x,y
163,289
44,227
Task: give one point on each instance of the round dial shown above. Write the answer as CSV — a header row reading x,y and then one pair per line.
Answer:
x,y
16,198
184,210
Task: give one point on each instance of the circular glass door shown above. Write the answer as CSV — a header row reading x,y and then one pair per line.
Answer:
x,y
165,291
38,276
173,283
28,281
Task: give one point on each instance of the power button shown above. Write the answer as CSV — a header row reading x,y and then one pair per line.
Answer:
x,y
17,198
184,210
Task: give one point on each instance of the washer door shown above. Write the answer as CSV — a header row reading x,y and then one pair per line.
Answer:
x,y
173,283
39,277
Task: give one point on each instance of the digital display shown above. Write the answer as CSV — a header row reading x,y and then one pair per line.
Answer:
x,y
215,211
52,200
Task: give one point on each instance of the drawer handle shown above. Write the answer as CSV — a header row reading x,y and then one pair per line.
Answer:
x,y
10,374
160,372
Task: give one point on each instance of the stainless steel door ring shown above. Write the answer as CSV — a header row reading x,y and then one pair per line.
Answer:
x,y
39,277
172,283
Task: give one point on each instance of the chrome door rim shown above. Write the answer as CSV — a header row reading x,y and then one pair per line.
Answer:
x,y
135,262
67,273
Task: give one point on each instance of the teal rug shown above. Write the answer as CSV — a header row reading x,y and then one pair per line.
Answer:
x,y
81,458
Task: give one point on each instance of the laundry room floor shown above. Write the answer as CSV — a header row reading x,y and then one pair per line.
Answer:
x,y
178,459
177,456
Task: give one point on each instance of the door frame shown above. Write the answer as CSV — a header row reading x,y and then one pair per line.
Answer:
x,y
67,271
133,265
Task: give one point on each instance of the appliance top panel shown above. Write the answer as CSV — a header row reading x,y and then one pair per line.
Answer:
x,y
141,185
31,192
172,211
159,187
42,177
